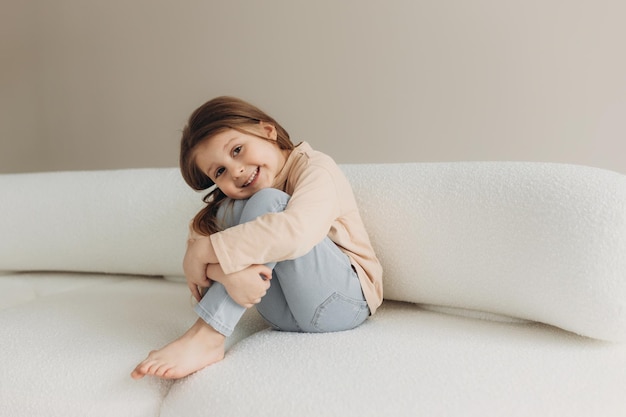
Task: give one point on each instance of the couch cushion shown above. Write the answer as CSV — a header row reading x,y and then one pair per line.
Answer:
x,y
407,362
24,287
69,353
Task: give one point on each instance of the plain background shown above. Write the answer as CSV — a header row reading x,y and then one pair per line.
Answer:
x,y
88,84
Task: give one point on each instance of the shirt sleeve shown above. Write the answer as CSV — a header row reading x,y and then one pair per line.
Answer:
x,y
274,237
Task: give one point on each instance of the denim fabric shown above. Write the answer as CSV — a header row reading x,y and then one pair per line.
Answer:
x,y
317,292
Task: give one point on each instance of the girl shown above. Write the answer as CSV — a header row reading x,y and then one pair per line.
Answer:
x,y
281,231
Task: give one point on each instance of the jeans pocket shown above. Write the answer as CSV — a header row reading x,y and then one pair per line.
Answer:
x,y
339,312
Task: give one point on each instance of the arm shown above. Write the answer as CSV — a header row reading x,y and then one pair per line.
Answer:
x,y
245,287
312,209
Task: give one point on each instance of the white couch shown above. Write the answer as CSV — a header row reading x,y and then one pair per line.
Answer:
x,y
505,295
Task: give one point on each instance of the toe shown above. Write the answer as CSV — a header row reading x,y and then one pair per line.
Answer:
x,y
160,370
168,372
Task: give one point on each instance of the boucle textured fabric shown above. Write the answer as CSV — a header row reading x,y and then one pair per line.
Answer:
x,y
536,241
67,349
131,221
68,353
542,242
406,362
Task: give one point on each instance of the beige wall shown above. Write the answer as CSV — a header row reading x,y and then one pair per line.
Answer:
x,y
89,84
20,112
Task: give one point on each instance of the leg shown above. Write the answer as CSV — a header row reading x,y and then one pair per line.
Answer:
x,y
203,344
322,290
318,292
216,307
269,200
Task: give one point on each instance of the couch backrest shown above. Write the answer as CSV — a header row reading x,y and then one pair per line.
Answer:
x,y
544,242
538,241
122,221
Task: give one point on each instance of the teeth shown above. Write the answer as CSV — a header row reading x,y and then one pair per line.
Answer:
x,y
251,178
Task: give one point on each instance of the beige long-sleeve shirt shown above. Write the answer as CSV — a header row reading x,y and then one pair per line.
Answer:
x,y
321,204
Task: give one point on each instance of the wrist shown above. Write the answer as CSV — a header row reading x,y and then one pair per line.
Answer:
x,y
223,279
215,273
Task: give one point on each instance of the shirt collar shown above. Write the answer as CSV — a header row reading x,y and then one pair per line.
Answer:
x,y
296,153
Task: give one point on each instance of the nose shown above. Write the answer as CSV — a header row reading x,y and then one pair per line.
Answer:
x,y
237,171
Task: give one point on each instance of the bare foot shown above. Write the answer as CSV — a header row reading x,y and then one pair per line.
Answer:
x,y
199,347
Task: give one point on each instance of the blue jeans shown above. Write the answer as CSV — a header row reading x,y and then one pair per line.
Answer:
x,y
317,292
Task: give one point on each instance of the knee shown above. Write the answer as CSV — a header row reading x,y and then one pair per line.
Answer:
x,y
229,212
270,197
267,200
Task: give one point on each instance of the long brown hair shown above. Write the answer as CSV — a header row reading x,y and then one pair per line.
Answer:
x,y
213,117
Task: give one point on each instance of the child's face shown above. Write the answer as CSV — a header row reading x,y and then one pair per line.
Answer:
x,y
241,164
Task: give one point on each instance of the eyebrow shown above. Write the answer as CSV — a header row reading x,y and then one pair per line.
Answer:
x,y
229,142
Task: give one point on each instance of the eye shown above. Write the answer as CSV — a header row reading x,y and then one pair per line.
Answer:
x,y
237,150
219,171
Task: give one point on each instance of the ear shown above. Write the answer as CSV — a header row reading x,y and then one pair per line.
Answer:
x,y
269,130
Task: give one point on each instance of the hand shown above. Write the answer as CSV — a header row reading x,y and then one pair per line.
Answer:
x,y
245,287
195,268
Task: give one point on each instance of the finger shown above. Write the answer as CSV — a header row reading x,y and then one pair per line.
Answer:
x,y
268,273
265,273
194,290
202,282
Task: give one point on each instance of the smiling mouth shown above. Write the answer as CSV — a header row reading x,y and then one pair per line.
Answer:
x,y
252,177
